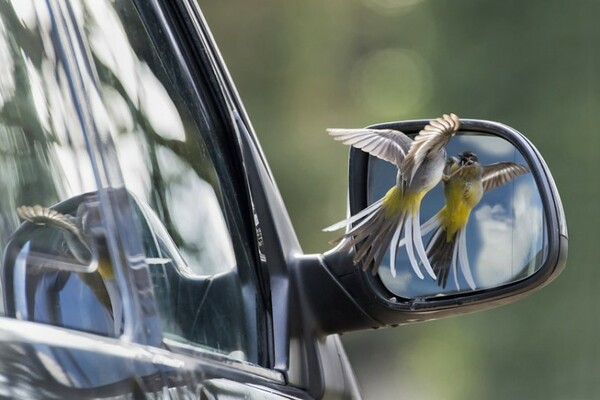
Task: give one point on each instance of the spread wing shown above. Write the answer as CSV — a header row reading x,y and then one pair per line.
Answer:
x,y
388,144
498,174
434,135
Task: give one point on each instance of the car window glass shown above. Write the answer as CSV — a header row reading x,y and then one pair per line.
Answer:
x,y
55,266
174,171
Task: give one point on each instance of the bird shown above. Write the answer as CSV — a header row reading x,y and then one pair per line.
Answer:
x,y
420,164
465,182
90,254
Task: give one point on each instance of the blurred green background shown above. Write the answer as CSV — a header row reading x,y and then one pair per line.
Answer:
x,y
302,67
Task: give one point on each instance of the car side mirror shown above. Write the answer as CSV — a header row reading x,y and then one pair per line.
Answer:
x,y
490,231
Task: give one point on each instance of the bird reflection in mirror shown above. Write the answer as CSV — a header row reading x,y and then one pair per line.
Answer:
x,y
86,248
465,182
420,163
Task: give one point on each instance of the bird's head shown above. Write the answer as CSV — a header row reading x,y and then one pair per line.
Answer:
x,y
468,158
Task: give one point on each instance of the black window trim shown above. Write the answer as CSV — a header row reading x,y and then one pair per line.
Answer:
x,y
193,55
274,273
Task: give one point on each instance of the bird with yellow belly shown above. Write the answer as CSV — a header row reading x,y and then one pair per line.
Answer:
x,y
465,182
420,164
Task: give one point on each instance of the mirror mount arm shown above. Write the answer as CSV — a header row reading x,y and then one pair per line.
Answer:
x,y
333,309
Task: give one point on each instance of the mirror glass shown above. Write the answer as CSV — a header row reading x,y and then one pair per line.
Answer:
x,y
503,240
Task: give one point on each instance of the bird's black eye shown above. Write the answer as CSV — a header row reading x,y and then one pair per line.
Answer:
x,y
468,158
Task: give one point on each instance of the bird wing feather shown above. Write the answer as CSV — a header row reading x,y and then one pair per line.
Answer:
x,y
387,144
498,174
435,134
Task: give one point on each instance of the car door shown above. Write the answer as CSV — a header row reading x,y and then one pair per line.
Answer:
x,y
138,243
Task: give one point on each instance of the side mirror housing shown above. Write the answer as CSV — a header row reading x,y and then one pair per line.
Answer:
x,y
514,240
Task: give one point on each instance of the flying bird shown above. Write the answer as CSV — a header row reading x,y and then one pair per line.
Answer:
x,y
465,182
420,163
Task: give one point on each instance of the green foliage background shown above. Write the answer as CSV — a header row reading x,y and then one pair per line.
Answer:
x,y
304,66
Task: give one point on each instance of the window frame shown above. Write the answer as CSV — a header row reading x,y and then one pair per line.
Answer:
x,y
276,243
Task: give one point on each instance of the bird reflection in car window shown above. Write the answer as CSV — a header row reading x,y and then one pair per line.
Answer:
x,y
61,271
43,161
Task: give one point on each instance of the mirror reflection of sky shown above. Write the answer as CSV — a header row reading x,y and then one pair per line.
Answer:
x,y
506,237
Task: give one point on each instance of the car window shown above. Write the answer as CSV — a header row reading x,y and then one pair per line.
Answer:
x,y
166,137
55,264
176,172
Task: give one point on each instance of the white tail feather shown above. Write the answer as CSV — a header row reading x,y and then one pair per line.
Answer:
x,y
431,224
408,232
418,241
354,218
394,248
433,239
365,220
463,257
453,266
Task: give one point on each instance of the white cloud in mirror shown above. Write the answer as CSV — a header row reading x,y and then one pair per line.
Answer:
x,y
518,232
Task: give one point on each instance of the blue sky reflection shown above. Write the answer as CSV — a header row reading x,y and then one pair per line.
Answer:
x,y
505,234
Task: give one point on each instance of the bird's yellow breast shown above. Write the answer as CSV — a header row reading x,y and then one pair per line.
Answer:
x,y
395,202
455,218
461,196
